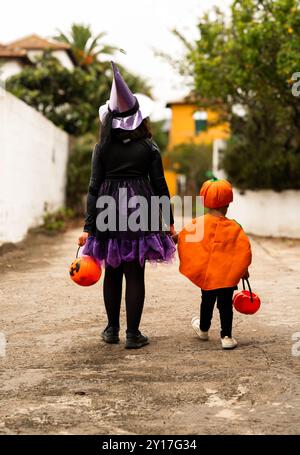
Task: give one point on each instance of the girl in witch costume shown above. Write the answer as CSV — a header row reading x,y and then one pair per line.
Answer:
x,y
215,259
126,167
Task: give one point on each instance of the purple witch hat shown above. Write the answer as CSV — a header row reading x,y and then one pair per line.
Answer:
x,y
121,98
127,110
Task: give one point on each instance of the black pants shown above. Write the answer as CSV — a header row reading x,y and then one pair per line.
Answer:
x,y
224,305
134,296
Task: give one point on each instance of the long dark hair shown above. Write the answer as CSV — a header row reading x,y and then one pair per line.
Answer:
x,y
143,131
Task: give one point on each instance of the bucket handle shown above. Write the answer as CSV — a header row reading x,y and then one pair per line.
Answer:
x,y
249,287
78,251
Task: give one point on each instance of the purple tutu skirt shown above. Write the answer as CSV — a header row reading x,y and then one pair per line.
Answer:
x,y
153,248
112,248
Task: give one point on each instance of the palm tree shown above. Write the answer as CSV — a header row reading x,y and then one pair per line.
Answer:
x,y
84,46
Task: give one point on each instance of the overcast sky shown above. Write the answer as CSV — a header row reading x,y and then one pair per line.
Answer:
x,y
137,26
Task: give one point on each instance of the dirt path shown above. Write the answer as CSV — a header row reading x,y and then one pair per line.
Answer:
x,y
58,377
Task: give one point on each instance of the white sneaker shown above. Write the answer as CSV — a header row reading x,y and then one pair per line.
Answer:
x,y
228,343
196,327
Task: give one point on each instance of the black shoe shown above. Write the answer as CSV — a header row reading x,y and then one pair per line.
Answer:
x,y
110,335
136,340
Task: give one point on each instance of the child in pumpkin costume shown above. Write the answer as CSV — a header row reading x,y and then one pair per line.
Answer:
x,y
215,258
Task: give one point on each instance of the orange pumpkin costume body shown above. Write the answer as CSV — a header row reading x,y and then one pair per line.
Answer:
x,y
220,255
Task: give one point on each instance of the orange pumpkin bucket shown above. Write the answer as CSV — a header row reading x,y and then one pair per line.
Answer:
x,y
246,302
85,270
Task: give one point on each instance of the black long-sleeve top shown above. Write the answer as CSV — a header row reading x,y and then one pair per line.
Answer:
x,y
124,160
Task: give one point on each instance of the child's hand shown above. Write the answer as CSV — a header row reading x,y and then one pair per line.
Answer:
x,y
173,234
246,275
82,238
172,230
175,238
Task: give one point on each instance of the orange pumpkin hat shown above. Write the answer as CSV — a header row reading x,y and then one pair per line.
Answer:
x,y
216,193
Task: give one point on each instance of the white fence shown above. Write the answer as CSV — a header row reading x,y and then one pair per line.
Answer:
x,y
33,161
267,212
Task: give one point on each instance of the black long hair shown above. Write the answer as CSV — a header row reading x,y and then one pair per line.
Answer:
x,y
143,131
108,133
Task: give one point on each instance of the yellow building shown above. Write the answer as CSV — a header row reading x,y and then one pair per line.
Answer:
x,y
191,125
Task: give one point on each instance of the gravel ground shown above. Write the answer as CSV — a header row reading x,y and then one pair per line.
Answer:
x,y
58,377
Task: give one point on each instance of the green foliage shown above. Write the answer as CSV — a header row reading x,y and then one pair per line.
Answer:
x,y
257,51
263,151
85,47
79,170
160,134
70,99
249,61
56,221
192,160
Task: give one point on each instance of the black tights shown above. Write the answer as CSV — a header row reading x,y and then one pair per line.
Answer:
x,y
224,305
134,296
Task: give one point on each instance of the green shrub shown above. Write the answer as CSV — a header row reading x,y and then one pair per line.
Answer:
x,y
79,169
56,221
246,57
260,156
192,160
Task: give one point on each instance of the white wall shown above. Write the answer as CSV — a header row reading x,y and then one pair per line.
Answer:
x,y
33,160
64,58
218,146
10,68
267,213
61,55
